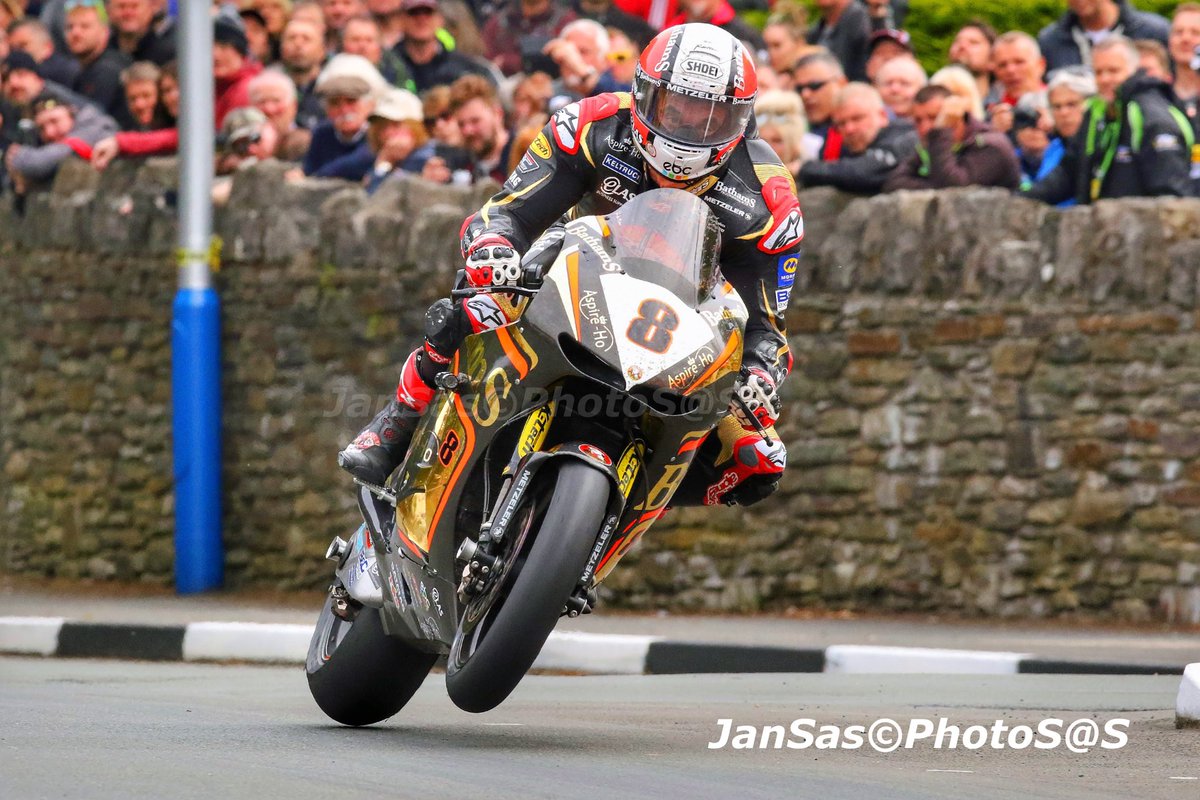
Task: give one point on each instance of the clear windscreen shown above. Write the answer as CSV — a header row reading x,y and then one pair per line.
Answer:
x,y
669,237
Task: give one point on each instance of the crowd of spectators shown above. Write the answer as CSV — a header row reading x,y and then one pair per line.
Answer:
x,y
1103,102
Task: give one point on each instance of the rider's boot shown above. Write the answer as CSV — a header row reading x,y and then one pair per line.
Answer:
x,y
381,446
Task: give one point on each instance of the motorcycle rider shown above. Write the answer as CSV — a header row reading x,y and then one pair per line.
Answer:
x,y
687,125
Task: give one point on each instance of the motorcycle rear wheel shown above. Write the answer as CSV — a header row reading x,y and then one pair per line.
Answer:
x,y
357,673
489,659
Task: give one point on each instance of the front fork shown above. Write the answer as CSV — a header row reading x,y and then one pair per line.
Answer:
x,y
482,557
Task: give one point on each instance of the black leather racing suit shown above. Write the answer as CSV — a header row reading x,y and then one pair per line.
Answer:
x,y
585,162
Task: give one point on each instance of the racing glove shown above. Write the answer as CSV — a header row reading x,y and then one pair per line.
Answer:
x,y
756,398
493,261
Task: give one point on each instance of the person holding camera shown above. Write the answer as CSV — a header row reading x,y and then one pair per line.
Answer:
x,y
1134,141
1039,150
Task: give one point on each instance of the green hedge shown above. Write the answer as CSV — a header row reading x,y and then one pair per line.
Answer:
x,y
933,23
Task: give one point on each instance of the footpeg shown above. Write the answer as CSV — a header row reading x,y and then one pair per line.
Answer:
x,y
383,494
581,603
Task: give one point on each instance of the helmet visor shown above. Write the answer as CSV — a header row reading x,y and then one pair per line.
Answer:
x,y
697,121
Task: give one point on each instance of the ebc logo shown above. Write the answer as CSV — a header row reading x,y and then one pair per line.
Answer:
x,y
621,168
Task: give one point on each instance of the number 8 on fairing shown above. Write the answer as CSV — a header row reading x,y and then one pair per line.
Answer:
x,y
654,326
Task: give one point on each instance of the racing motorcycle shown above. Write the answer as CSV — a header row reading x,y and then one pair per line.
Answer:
x,y
552,444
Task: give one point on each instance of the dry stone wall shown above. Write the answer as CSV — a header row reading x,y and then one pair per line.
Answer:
x,y
995,407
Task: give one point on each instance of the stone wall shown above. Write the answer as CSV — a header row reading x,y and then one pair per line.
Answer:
x,y
995,408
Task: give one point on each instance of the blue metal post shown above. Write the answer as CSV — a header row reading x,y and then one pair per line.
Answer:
x,y
196,330
196,396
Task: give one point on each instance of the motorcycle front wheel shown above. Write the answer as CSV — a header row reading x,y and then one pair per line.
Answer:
x,y
502,632
357,673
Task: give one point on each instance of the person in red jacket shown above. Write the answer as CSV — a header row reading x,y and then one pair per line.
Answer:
x,y
232,68
721,14
656,12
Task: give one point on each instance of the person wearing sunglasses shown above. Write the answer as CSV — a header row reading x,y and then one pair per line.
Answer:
x,y
871,145
817,78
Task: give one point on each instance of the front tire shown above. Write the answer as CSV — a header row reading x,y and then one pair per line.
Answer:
x,y
357,673
489,659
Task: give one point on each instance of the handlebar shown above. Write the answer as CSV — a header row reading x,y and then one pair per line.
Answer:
x,y
531,282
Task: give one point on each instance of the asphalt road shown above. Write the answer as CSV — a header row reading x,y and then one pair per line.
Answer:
x,y
99,729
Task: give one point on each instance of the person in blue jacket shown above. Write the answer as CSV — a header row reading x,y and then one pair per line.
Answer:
x,y
1039,149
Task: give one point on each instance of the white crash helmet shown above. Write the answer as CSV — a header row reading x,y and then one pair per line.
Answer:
x,y
693,96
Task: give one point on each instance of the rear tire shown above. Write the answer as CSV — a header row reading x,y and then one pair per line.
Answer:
x,y
357,673
484,668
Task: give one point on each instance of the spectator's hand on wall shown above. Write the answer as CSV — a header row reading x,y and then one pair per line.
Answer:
x,y
18,180
104,152
436,171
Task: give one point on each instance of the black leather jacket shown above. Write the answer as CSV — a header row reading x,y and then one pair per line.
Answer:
x,y
1149,156
585,162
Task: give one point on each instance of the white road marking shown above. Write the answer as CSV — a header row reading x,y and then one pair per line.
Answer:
x,y
1185,778
958,771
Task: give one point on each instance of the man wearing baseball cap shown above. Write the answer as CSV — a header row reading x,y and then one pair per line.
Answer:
x,y
883,47
428,61
63,130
